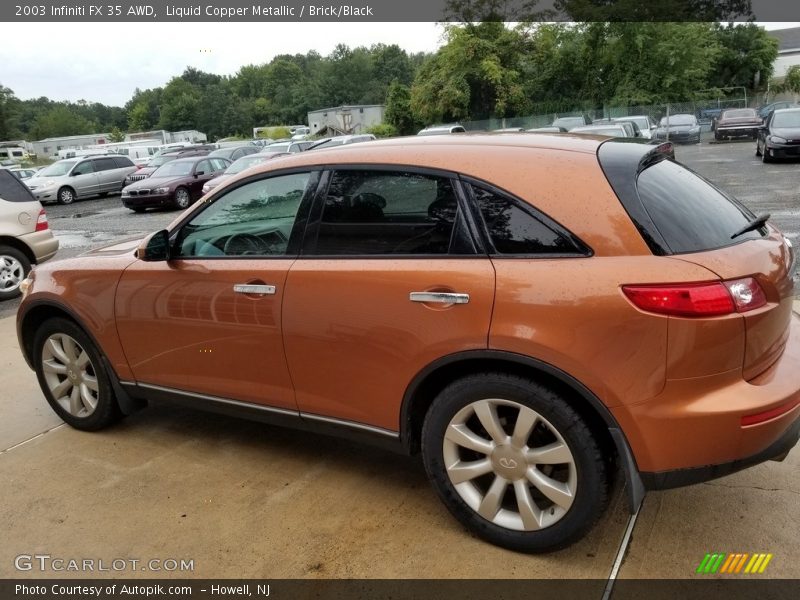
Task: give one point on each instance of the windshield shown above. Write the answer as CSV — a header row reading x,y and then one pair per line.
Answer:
x,y
157,161
57,169
568,121
244,163
278,147
612,131
328,144
174,168
787,119
678,120
641,122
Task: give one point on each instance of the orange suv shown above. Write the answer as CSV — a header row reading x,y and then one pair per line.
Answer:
x,y
532,313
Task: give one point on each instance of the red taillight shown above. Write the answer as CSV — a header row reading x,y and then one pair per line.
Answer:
x,y
41,222
710,299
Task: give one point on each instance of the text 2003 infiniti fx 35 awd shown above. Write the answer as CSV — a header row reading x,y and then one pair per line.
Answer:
x,y
530,312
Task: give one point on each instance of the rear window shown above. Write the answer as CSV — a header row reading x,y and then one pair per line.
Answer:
x,y
12,189
690,213
123,161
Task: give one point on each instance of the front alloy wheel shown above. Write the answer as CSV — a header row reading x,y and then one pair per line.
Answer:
x,y
73,376
70,375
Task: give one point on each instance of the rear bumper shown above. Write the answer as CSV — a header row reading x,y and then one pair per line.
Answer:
x,y
43,244
680,477
706,427
735,130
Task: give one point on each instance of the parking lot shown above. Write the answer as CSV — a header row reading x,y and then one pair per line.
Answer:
x,y
241,499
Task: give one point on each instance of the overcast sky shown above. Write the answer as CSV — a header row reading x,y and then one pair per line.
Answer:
x,y
106,62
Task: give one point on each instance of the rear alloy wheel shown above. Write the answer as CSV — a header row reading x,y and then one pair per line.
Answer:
x,y
182,198
14,267
514,462
66,195
72,376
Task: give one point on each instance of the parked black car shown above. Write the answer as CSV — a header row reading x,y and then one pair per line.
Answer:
x,y
780,135
765,110
679,128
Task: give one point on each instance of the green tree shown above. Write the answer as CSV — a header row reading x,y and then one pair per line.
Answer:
x,y
61,121
791,83
398,109
746,58
116,135
7,112
477,74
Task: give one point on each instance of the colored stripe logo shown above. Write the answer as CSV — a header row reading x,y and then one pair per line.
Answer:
x,y
733,564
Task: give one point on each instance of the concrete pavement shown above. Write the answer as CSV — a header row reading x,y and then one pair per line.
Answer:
x,y
242,499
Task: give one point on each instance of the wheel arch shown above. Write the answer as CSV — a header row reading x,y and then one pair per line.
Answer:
x,y
36,314
12,242
425,386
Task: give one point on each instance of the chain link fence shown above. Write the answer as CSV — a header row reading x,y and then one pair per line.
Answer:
x,y
706,112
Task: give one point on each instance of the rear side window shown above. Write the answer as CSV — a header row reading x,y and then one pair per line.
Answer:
x,y
384,212
690,213
513,229
122,161
12,189
104,164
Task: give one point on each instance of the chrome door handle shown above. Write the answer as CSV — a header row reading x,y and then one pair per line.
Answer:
x,y
249,288
440,297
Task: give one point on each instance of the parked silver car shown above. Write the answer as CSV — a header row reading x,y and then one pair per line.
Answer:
x,y
25,237
67,180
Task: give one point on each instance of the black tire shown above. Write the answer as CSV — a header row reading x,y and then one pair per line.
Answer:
x,y
14,267
66,195
183,198
138,210
103,194
765,157
758,148
588,467
106,410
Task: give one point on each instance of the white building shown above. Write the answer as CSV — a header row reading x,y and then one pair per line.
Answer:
x,y
345,120
49,147
788,50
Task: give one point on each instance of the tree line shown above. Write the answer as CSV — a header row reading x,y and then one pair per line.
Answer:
x,y
482,70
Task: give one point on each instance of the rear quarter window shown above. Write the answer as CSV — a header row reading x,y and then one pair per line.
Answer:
x,y
690,213
12,189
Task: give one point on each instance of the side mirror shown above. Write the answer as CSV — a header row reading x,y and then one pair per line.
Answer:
x,y
198,173
155,247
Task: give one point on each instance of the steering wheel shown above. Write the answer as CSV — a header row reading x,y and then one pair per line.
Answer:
x,y
245,243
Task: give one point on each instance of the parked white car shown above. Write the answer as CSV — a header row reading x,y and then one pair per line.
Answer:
x,y
25,236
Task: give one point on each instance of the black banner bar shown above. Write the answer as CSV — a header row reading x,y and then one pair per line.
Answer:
x,y
744,587
105,11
